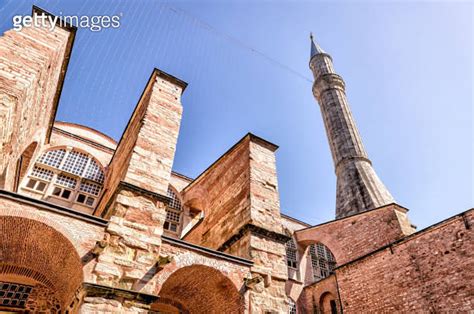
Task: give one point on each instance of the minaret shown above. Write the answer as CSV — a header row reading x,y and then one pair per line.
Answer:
x,y
358,186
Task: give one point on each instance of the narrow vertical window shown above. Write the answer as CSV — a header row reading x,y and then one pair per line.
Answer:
x,y
173,212
322,261
291,254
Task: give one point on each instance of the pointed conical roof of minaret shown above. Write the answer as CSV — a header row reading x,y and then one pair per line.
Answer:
x,y
315,49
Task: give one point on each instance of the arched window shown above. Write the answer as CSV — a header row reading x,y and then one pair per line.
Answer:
x,y
291,306
291,254
173,212
66,175
322,261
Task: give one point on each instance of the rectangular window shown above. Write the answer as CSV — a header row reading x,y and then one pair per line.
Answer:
x,y
61,192
36,185
31,183
41,186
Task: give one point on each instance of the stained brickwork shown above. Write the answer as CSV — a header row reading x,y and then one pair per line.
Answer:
x,y
50,259
239,190
428,272
145,153
354,236
230,256
315,297
33,63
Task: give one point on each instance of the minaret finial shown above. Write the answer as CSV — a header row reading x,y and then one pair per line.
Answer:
x,y
315,49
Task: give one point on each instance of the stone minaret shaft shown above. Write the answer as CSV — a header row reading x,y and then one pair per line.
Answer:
x,y
358,186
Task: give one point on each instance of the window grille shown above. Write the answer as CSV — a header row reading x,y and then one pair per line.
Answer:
x,y
14,295
94,172
90,188
291,307
66,181
52,158
291,259
175,203
322,261
75,162
173,212
42,173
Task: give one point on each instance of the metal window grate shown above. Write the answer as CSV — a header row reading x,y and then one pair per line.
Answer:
x,y
322,261
66,181
291,254
172,216
14,295
90,188
52,158
75,162
291,306
41,173
94,172
175,203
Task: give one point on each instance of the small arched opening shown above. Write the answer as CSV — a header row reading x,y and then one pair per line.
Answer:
x,y
199,289
327,304
323,261
23,163
40,270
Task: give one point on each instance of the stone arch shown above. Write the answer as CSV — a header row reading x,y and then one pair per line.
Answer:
x,y
24,162
36,255
200,289
47,148
196,199
308,238
327,303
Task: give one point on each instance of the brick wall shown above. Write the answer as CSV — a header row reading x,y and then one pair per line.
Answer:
x,y
354,236
430,271
145,153
32,68
224,188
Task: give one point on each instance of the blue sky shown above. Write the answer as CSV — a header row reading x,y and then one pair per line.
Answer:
x,y
408,68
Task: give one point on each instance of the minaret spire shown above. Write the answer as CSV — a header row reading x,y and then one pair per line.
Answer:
x,y
315,49
358,186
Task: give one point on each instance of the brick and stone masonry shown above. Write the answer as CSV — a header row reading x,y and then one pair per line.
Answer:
x,y
228,254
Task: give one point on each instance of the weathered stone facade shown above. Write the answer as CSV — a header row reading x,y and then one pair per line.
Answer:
x,y
358,186
90,225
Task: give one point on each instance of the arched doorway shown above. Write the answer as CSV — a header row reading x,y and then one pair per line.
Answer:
x,y
199,289
327,303
40,269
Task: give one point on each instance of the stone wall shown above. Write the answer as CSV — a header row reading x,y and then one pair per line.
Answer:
x,y
145,153
354,236
33,62
239,197
222,192
430,271
314,296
